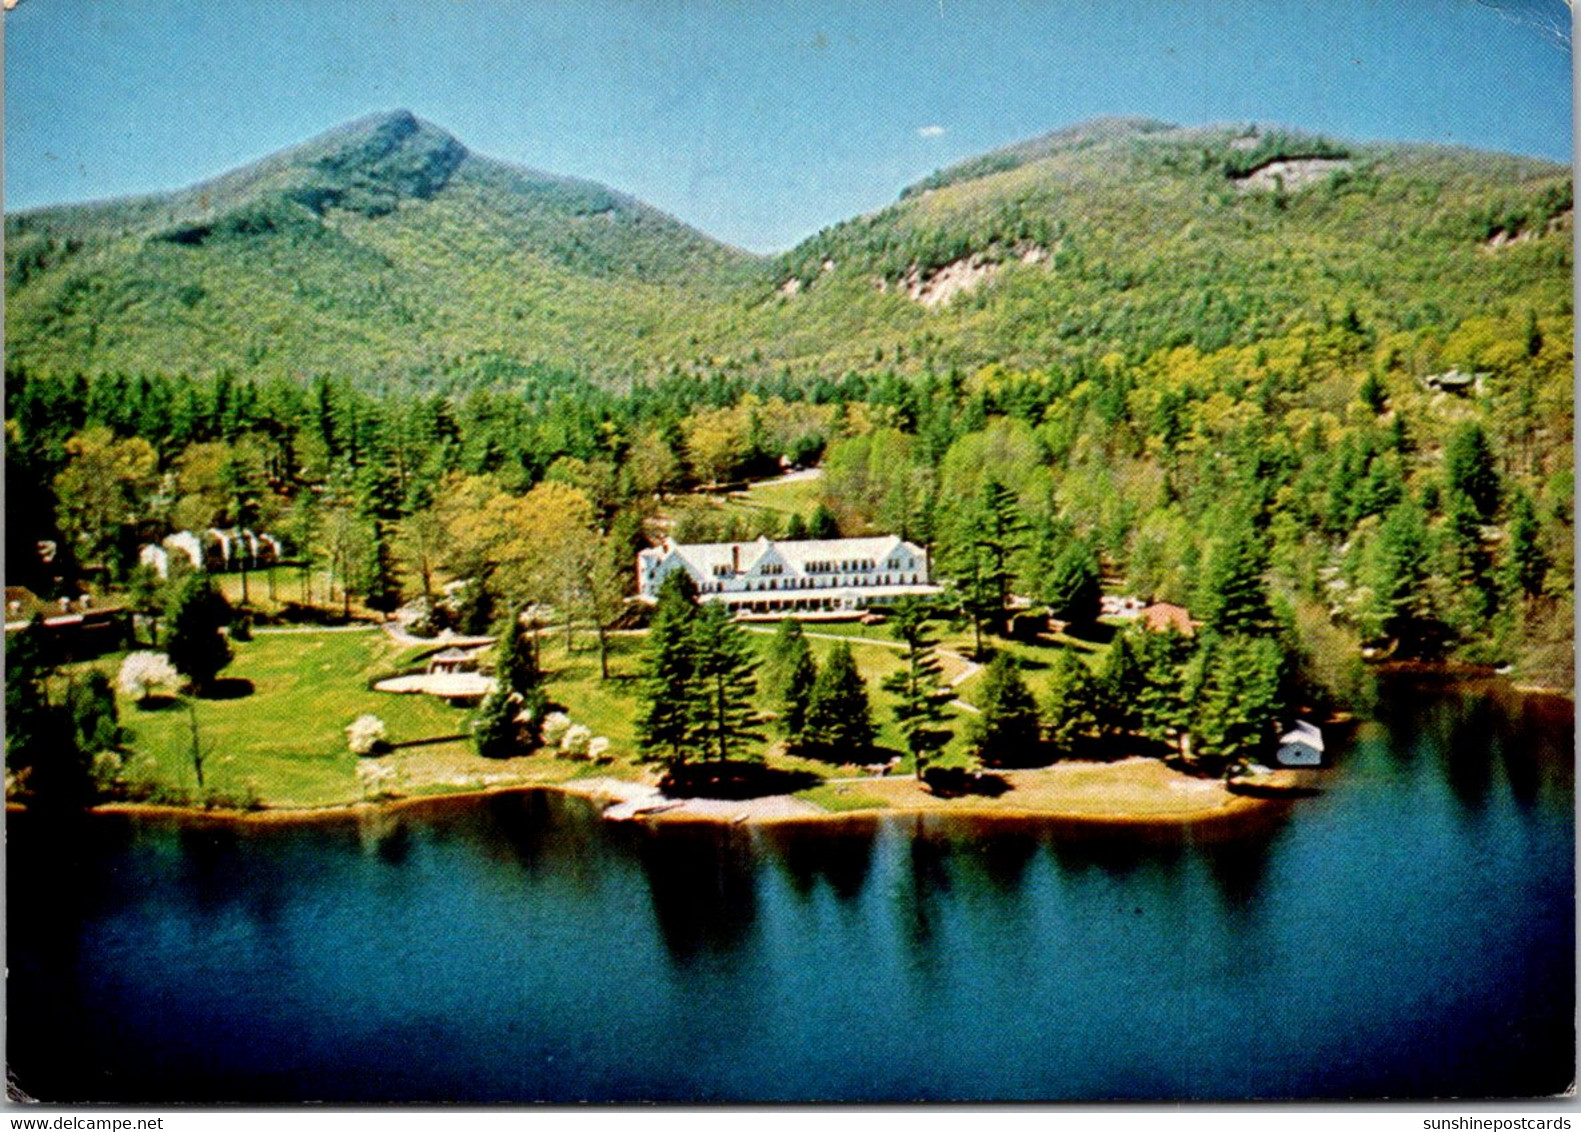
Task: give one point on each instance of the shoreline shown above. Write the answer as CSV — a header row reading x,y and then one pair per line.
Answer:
x,y
645,806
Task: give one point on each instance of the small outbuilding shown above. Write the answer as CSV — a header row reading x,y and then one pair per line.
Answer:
x,y
453,660
1162,616
1302,745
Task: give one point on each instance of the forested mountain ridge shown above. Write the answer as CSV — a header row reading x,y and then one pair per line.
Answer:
x,y
385,252
1134,237
383,249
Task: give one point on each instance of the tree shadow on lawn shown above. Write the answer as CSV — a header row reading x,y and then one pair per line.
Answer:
x,y
958,782
228,688
157,703
734,781
1091,633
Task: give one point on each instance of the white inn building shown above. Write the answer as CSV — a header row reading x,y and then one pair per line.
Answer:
x,y
804,578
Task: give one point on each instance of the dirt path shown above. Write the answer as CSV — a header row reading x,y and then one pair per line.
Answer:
x,y
283,631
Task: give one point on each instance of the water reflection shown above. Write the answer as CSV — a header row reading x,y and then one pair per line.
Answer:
x,y
1481,740
838,854
922,894
1238,864
386,835
1356,942
702,880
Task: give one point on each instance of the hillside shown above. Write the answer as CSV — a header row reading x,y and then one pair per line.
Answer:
x,y
382,248
385,250
1131,237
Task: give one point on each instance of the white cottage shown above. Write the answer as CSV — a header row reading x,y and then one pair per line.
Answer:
x,y
804,577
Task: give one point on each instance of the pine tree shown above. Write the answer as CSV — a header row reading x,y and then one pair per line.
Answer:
x,y
516,660
1071,710
1525,563
381,589
1006,731
1471,564
920,710
1162,709
496,731
975,590
839,724
723,665
989,534
796,700
1236,696
607,581
795,528
1470,469
1120,684
1073,588
1373,394
788,677
788,644
823,524
1395,575
667,723
30,720
1234,598
516,671
193,640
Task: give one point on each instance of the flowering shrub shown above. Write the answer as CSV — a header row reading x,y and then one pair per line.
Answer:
x,y
366,735
575,740
142,672
377,781
555,725
597,748
107,767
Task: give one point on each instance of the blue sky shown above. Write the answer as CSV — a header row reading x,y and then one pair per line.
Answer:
x,y
758,123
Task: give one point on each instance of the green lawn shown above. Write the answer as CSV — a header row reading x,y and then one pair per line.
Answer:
x,y
765,505
287,588
609,707
274,732
284,740
797,497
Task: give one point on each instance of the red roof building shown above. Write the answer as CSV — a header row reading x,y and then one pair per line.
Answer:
x,y
1162,616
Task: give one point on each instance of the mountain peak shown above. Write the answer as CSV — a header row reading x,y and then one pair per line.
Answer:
x,y
1078,136
367,165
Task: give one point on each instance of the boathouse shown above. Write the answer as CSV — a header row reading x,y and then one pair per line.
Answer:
x,y
1302,745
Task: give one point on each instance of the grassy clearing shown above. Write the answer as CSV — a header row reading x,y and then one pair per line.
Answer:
x,y
764,506
275,733
1130,788
840,799
277,727
283,742
788,497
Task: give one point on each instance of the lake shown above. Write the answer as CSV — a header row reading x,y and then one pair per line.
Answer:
x,y
1408,933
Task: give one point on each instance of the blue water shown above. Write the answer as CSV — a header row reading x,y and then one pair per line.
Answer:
x,y
1409,933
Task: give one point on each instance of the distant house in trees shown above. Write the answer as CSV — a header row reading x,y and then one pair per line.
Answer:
x,y
1302,745
213,549
1119,605
1455,382
800,578
1162,616
74,628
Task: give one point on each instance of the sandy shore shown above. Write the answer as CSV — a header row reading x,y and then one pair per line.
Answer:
x,y
1134,791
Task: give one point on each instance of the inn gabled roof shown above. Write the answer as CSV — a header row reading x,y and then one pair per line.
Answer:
x,y
704,557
